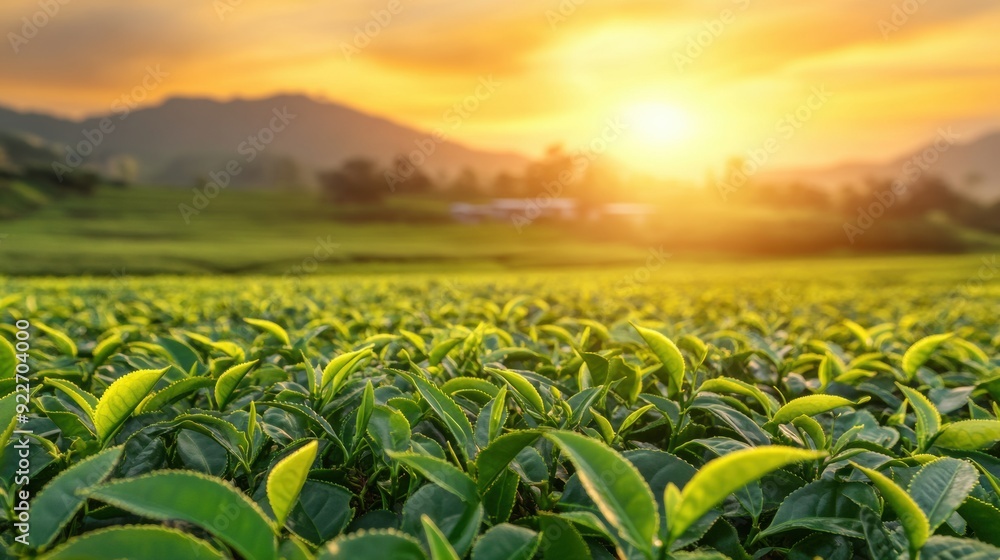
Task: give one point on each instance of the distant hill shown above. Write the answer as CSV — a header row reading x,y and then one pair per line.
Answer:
x,y
972,168
186,138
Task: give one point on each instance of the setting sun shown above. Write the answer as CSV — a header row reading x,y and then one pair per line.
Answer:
x,y
658,124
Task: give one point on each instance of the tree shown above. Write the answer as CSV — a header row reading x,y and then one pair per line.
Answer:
x,y
404,176
357,180
552,174
506,185
465,184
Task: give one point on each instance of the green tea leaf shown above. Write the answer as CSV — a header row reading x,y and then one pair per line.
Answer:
x,y
121,398
493,460
928,417
83,399
200,500
386,543
57,503
824,505
723,476
951,548
441,473
940,488
669,355
616,487
921,351
276,330
735,386
173,392
441,549
809,405
523,389
342,366
8,359
449,413
229,380
506,542
134,541
389,428
287,478
968,435
64,343
983,518
914,522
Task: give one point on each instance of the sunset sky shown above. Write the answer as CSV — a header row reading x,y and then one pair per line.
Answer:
x,y
564,69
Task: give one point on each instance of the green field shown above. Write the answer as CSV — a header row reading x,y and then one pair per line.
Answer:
x,y
140,231
838,408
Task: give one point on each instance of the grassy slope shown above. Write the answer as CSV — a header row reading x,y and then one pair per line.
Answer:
x,y
259,232
141,231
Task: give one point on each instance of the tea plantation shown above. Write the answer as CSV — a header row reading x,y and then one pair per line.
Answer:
x,y
834,409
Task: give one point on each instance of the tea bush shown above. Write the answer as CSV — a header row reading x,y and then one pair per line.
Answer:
x,y
548,416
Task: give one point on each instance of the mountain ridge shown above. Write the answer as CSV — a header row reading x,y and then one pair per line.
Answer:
x,y
185,137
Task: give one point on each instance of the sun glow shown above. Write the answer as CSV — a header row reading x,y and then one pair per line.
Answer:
x,y
657,124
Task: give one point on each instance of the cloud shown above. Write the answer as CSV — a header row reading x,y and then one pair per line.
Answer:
x,y
565,64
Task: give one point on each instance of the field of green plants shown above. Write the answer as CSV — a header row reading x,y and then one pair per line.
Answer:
x,y
836,410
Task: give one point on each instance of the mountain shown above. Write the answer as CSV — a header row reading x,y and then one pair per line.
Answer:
x,y
971,168
183,139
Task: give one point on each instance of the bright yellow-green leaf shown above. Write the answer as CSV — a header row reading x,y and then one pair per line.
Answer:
x,y
723,476
928,417
522,388
810,405
921,351
287,478
271,327
914,522
440,548
830,368
340,367
669,355
64,343
8,359
173,392
83,399
229,380
616,487
106,348
735,386
121,398
969,435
